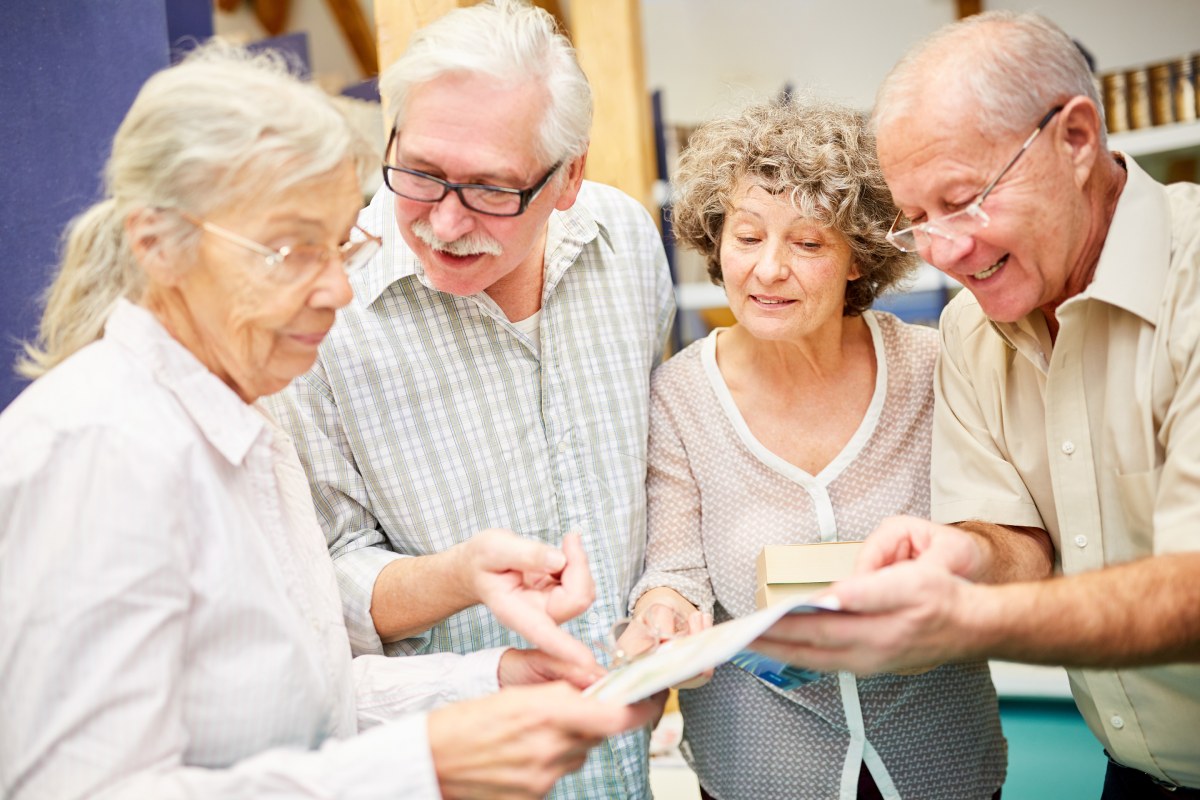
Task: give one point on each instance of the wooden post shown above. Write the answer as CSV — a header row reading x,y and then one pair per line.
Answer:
x,y
395,21
967,8
357,32
608,39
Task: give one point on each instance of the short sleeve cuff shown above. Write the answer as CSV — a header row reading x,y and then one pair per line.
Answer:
x,y
357,572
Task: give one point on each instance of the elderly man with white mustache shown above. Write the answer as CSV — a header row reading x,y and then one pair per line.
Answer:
x,y
493,370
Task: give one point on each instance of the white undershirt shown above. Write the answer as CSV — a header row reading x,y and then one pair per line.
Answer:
x,y
531,327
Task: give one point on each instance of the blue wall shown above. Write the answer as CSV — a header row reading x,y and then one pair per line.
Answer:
x,y
69,70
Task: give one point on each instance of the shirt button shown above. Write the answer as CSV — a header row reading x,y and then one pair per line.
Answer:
x,y
594,618
562,447
1068,447
1117,722
1081,541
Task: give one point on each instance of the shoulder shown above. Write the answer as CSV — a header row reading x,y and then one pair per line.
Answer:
x,y
98,400
620,216
911,350
681,374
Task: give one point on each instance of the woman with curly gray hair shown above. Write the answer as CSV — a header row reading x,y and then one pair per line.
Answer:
x,y
807,422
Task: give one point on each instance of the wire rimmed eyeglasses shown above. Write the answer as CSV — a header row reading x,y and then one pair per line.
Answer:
x,y
297,263
965,222
496,201
633,637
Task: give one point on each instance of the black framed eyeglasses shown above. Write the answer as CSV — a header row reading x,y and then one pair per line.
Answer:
x,y
965,222
496,201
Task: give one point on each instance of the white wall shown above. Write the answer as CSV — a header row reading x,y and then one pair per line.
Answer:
x,y
710,56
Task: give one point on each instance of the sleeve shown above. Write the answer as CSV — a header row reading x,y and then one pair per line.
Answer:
x,y
308,411
94,583
970,477
674,549
1177,500
664,294
387,688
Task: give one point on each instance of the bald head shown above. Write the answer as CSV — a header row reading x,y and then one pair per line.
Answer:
x,y
1002,70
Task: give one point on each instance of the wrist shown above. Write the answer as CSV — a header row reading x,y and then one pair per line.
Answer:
x,y
461,574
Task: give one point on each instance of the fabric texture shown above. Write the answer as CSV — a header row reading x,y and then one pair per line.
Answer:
x,y
172,625
716,496
429,417
1096,441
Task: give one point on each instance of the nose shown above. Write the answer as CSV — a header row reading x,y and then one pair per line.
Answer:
x,y
332,289
773,263
945,253
450,219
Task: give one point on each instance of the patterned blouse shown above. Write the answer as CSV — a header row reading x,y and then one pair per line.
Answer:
x,y
716,496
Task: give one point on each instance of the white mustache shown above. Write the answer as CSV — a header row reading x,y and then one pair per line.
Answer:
x,y
470,245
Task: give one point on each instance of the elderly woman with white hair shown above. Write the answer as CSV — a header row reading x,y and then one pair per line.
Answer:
x,y
171,625
808,421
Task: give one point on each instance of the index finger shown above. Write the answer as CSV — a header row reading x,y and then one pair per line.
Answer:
x,y
578,589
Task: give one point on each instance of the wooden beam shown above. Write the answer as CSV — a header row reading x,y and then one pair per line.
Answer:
x,y
396,20
273,15
608,39
357,32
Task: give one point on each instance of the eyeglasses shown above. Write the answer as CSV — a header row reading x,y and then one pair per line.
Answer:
x,y
496,201
302,262
962,223
632,638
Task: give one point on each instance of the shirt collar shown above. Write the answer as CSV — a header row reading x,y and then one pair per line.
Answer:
x,y
1131,272
224,419
568,232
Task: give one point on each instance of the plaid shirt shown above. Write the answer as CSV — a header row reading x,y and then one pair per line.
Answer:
x,y
429,417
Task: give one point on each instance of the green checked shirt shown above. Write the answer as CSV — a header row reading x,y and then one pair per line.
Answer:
x,y
429,417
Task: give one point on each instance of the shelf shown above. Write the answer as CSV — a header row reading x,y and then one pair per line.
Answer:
x,y
1160,139
697,296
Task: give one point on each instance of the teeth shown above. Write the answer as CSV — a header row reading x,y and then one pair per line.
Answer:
x,y
990,271
766,302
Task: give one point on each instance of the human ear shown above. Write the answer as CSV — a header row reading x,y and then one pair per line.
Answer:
x,y
573,183
1078,134
145,230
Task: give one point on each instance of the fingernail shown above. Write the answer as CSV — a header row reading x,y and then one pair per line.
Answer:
x,y
555,560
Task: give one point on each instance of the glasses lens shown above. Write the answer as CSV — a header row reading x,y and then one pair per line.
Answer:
x,y
905,240
493,201
961,223
355,255
301,263
413,185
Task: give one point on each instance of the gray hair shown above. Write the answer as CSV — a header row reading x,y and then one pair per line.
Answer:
x,y
1014,67
817,154
511,41
223,127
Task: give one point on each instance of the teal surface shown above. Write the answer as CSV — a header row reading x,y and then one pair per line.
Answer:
x,y
1051,753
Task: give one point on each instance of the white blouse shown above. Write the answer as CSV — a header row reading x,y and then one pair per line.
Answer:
x,y
171,621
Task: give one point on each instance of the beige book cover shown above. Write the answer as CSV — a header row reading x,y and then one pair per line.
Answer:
x,y
789,570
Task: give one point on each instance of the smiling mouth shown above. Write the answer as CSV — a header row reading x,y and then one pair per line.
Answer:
x,y
771,301
983,275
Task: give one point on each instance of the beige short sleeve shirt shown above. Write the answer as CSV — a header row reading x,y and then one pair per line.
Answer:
x,y
1096,440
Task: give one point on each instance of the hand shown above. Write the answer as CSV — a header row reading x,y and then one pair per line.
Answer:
x,y
518,742
669,615
899,539
908,615
524,667
532,588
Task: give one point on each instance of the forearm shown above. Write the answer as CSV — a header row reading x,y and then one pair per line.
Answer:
x,y
1135,614
411,595
1010,553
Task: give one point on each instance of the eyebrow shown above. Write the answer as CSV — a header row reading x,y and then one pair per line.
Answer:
x,y
488,178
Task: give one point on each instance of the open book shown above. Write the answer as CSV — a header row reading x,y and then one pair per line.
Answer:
x,y
679,659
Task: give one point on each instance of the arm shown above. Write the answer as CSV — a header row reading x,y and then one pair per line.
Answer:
x,y
529,586
95,588
675,569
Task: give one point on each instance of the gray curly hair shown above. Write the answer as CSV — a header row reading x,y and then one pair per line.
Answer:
x,y
822,156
